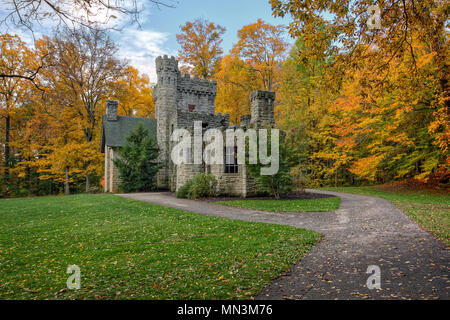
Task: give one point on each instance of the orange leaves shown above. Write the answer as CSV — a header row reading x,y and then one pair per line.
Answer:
x,y
201,50
234,84
376,125
261,45
425,59
15,59
80,158
366,167
135,94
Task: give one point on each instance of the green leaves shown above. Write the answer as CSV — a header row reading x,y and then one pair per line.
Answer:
x,y
279,183
202,185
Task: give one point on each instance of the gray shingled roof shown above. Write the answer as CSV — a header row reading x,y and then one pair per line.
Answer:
x,y
114,133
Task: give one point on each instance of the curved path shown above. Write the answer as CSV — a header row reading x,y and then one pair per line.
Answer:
x,y
364,231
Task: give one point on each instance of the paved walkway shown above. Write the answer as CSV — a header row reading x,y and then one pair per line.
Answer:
x,y
364,231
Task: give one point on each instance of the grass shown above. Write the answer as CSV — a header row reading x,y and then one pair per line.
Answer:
x,y
430,210
303,205
134,250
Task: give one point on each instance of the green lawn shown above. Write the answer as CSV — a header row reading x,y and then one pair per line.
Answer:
x,y
304,205
134,250
430,210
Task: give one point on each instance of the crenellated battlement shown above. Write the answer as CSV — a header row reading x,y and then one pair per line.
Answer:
x,y
262,105
262,95
165,63
195,85
192,78
169,76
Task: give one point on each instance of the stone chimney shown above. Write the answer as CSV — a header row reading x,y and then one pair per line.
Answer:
x,y
111,110
262,103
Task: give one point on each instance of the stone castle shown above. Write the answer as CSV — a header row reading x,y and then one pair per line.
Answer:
x,y
179,101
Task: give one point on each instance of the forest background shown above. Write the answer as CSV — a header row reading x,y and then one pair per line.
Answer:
x,y
362,94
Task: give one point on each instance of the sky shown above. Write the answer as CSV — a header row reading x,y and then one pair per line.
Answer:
x,y
159,26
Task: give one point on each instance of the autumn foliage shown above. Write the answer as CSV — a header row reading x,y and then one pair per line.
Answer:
x,y
358,105
200,50
51,127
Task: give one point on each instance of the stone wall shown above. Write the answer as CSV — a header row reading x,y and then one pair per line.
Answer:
x,y
181,100
165,106
234,184
245,121
185,119
107,170
112,179
197,94
262,105
186,172
229,183
250,188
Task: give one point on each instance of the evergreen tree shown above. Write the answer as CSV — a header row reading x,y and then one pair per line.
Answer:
x,y
281,182
137,163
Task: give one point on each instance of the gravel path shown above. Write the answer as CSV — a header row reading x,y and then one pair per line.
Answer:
x,y
364,231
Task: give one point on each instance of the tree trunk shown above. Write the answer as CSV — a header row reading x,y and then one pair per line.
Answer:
x,y
66,174
66,181
88,182
88,137
270,81
28,171
7,141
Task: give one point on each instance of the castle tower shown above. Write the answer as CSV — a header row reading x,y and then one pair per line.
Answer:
x,y
165,105
262,104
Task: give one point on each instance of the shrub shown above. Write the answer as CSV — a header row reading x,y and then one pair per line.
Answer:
x,y
202,185
280,183
183,192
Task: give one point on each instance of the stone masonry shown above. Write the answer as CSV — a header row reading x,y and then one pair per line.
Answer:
x,y
180,100
183,99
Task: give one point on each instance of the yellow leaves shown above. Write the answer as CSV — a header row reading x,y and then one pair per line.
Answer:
x,y
234,84
15,59
200,43
429,166
366,167
79,157
261,45
135,95
440,126
425,59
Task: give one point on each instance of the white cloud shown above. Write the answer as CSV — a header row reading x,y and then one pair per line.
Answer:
x,y
141,47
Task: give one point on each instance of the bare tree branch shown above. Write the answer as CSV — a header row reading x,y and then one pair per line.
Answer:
x,y
78,13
